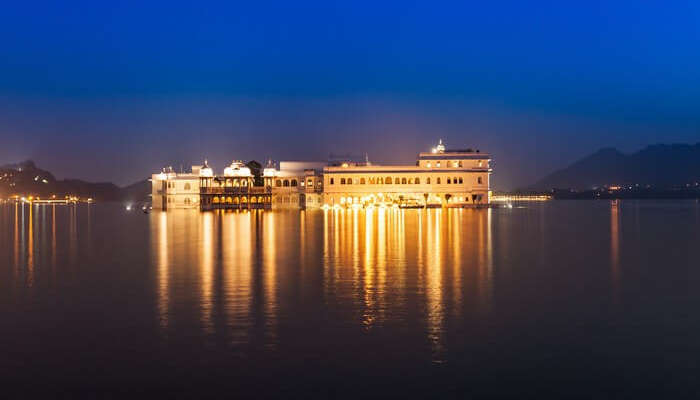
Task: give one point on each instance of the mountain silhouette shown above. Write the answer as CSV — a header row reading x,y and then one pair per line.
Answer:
x,y
660,166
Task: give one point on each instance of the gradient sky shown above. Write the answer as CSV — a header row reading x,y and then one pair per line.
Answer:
x,y
116,90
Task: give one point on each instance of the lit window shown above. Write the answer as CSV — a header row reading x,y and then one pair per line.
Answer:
x,y
387,180
417,181
438,164
427,164
362,181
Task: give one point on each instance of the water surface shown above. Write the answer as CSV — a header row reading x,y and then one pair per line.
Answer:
x,y
577,299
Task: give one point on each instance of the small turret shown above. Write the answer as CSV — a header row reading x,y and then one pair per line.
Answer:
x,y
206,171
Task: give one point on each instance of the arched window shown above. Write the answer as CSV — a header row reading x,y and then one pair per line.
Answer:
x,y
372,181
278,183
380,181
417,181
449,181
332,183
397,180
187,186
403,181
454,180
479,181
427,181
342,181
362,181
460,180
460,164
348,181
387,180
438,180
294,182
285,183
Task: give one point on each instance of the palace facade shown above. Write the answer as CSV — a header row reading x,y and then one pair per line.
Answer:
x,y
452,178
440,178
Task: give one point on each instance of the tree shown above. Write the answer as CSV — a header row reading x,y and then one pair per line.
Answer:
x,y
256,169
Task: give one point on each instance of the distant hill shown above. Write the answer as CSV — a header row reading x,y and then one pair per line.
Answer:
x,y
137,192
660,166
26,178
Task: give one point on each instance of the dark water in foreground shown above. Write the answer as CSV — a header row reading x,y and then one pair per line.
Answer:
x,y
573,299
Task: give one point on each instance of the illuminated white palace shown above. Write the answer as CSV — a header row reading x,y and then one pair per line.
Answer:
x,y
440,178
451,178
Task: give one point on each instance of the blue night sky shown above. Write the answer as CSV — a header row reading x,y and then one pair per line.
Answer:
x,y
116,90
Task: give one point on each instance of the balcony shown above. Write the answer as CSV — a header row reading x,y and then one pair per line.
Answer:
x,y
234,190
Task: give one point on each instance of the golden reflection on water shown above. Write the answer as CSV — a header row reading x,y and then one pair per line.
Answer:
x,y
379,265
207,263
30,248
163,273
53,239
270,265
16,241
615,247
237,266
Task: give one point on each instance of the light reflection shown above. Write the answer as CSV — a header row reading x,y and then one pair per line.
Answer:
x,y
270,265
395,264
432,274
207,269
16,240
380,266
615,247
53,239
30,249
162,268
237,258
72,235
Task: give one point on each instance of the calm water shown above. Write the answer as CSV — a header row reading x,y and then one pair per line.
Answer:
x,y
562,298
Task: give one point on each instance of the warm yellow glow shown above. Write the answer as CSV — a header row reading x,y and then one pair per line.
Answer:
x,y
163,281
206,271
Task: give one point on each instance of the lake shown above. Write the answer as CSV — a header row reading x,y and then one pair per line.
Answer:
x,y
562,298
